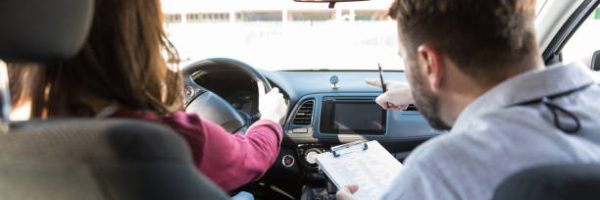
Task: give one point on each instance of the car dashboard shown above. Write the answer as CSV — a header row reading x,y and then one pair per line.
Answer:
x,y
311,95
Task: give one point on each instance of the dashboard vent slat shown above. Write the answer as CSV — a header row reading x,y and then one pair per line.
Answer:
x,y
412,107
304,114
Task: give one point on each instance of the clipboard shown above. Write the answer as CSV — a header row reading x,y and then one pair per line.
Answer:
x,y
366,164
345,148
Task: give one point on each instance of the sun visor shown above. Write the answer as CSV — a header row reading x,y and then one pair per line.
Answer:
x,y
39,30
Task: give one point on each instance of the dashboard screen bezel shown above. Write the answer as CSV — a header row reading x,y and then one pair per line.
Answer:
x,y
328,113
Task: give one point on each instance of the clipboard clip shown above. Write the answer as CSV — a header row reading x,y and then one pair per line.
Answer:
x,y
349,148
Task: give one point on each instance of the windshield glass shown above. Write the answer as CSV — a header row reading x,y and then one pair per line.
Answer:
x,y
285,35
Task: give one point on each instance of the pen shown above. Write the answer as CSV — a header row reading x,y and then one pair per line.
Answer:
x,y
383,86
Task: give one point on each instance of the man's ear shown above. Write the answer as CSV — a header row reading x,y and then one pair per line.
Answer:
x,y
435,67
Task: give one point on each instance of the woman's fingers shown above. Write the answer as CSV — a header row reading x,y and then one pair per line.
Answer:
x,y
272,105
261,88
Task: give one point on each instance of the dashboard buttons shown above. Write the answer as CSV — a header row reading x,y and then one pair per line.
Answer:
x,y
288,161
189,91
300,130
311,156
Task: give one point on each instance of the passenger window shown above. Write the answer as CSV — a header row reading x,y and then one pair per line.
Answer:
x,y
584,42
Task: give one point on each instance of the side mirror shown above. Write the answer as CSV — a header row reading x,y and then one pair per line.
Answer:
x,y
596,61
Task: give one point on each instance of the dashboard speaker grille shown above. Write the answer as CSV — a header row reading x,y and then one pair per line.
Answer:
x,y
304,114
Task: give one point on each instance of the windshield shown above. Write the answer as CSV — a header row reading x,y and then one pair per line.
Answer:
x,y
285,35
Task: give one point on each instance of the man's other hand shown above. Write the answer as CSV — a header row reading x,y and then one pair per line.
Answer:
x,y
346,192
398,95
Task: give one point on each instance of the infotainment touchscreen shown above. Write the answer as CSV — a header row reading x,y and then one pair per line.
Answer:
x,y
352,117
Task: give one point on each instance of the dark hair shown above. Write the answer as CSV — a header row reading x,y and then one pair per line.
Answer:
x,y
121,61
481,36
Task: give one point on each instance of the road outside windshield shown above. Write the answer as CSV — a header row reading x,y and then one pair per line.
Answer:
x,y
285,35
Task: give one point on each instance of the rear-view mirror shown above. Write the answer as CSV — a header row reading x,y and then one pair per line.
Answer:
x,y
331,2
326,1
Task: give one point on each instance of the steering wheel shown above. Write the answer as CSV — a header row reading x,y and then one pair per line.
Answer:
x,y
211,106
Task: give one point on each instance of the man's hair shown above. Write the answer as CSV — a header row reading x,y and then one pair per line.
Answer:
x,y
480,36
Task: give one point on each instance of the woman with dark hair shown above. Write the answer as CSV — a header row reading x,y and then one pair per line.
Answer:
x,y
121,73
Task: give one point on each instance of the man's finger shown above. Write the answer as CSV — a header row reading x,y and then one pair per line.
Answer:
x,y
352,189
382,100
373,82
395,107
404,107
345,193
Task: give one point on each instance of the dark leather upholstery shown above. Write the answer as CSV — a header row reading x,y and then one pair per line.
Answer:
x,y
34,30
553,182
99,159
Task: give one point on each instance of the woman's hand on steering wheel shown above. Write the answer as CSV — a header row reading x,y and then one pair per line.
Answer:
x,y
271,105
211,106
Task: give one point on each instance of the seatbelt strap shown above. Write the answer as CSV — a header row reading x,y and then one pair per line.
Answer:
x,y
108,110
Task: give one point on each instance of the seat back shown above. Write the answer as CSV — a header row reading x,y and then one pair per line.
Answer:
x,y
82,158
99,159
552,182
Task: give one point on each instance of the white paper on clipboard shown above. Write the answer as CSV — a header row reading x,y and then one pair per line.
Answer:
x,y
367,165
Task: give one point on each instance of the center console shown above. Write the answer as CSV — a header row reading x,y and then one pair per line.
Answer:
x,y
319,121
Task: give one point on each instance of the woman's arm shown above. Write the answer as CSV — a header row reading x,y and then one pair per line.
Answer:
x,y
229,160
232,160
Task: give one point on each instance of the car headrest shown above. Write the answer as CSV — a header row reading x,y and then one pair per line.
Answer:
x,y
552,182
37,30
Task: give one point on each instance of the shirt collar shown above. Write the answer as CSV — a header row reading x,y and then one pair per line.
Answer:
x,y
532,85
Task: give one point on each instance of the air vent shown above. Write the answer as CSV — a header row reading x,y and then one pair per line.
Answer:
x,y
304,114
412,107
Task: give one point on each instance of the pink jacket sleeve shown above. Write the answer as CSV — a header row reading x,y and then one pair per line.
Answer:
x,y
232,161
229,160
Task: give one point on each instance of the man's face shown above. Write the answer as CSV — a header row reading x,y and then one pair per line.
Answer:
x,y
426,100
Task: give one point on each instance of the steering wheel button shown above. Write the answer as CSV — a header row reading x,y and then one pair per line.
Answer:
x,y
288,161
189,91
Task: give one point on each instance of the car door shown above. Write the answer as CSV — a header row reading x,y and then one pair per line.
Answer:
x,y
578,38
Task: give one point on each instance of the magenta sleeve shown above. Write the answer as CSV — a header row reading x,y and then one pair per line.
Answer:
x,y
229,160
233,160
